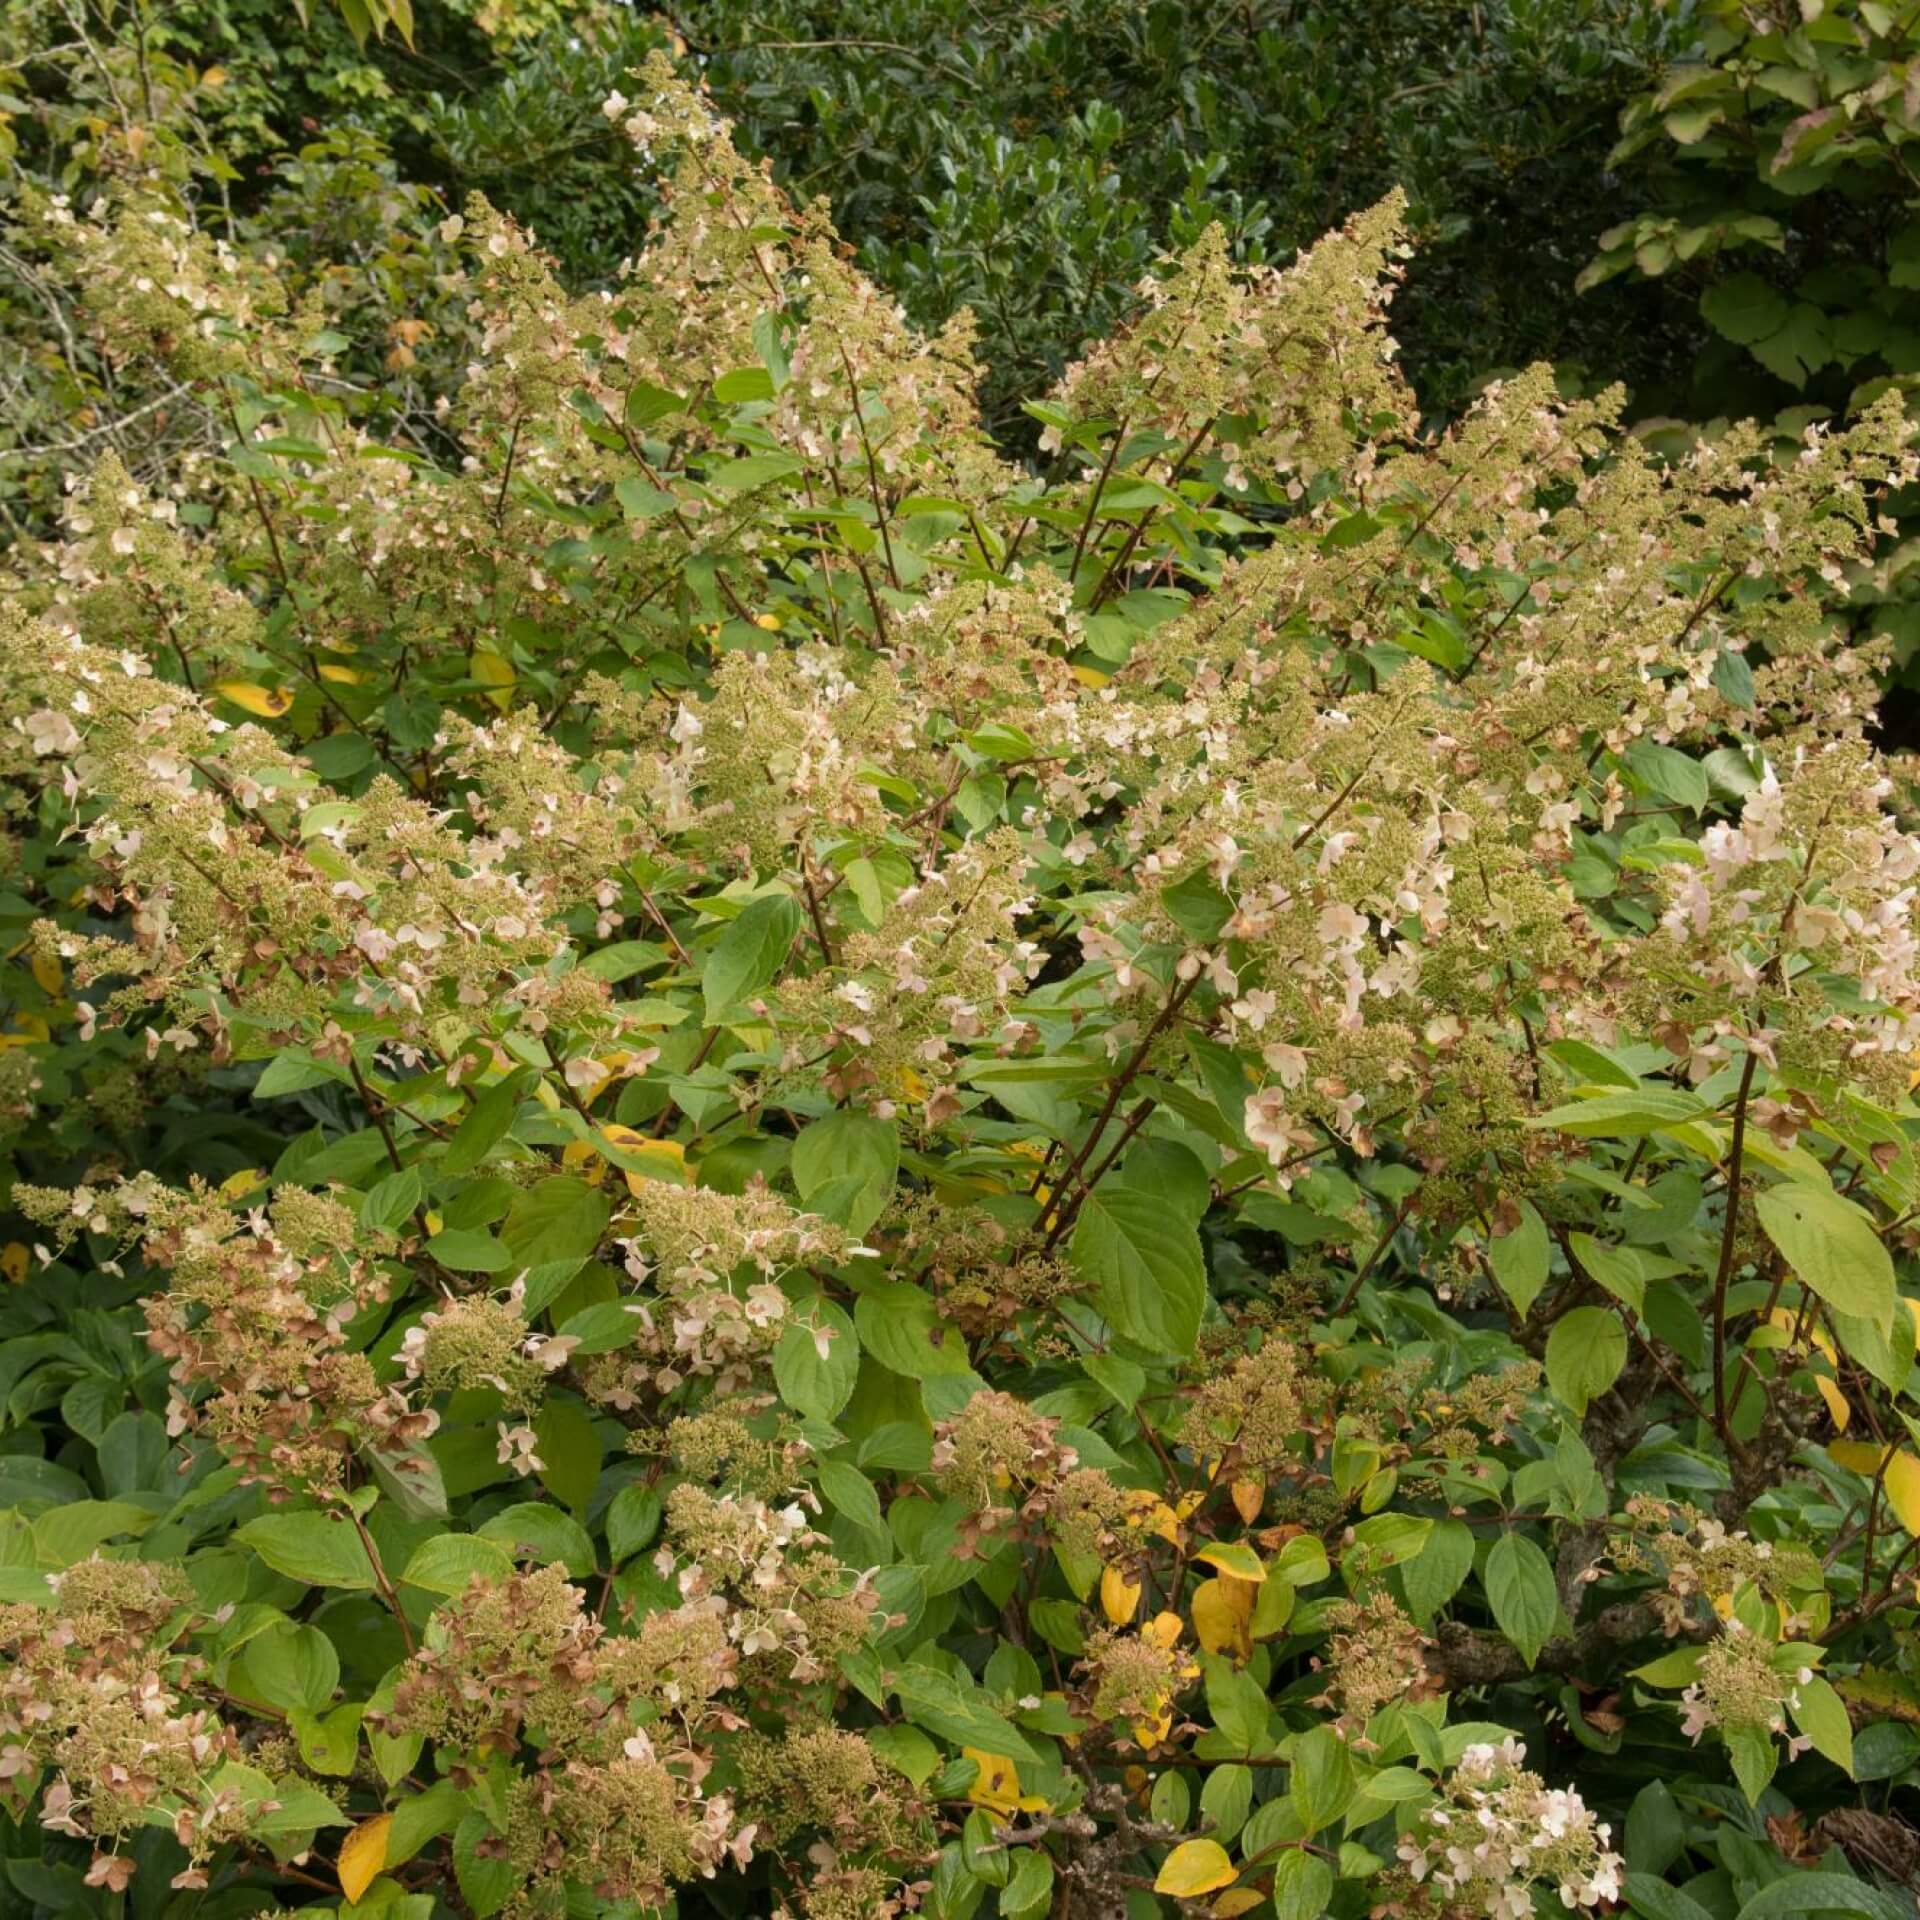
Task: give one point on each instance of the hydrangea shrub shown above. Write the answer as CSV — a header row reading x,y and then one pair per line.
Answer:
x,y
767,1168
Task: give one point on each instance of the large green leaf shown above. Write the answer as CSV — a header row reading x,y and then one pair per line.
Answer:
x,y
1519,1583
1831,1245
317,1549
1143,1261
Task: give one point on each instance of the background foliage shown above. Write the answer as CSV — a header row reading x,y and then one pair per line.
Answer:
x,y
794,1124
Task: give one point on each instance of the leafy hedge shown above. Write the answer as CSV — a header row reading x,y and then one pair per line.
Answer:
x,y
768,1169
1027,162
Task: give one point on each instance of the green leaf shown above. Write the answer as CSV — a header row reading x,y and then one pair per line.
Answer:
x,y
632,1521
749,954
1617,1114
317,1549
1671,773
560,1219
959,1713
640,499
1800,346
1815,1893
1658,1901
329,1743
1831,1245
853,1495
853,1156
568,1448
487,1880
533,1530
647,403
1520,1590
1585,1353
486,1122
1437,1572
1821,1715
743,385
1522,1259
907,1750
1144,1264
1618,1269
449,1563
817,1360
1302,1885
1321,1783
901,1327
1743,308
293,1666
1754,1758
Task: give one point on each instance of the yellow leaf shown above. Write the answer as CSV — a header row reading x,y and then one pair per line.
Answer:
x,y
997,1785
497,676
1119,1596
1091,677
1787,1318
1836,1401
1234,1557
214,78
1903,1489
1857,1456
362,1854
268,702
1222,1610
1149,1512
1193,1868
1249,1497
767,622
911,1084
434,1224
1149,1733
236,1185
1236,1900
14,1260
342,676
1163,1629
46,973
664,1159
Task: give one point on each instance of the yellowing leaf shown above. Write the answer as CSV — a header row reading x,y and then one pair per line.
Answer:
x,y
1836,1401
997,1785
342,676
14,1261
767,622
1222,1615
235,1185
1902,1483
46,973
1249,1497
362,1854
268,702
1193,1868
1091,677
1163,1629
1234,1557
1236,1900
497,676
1858,1456
661,1159
1787,1318
1147,1511
1119,1596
